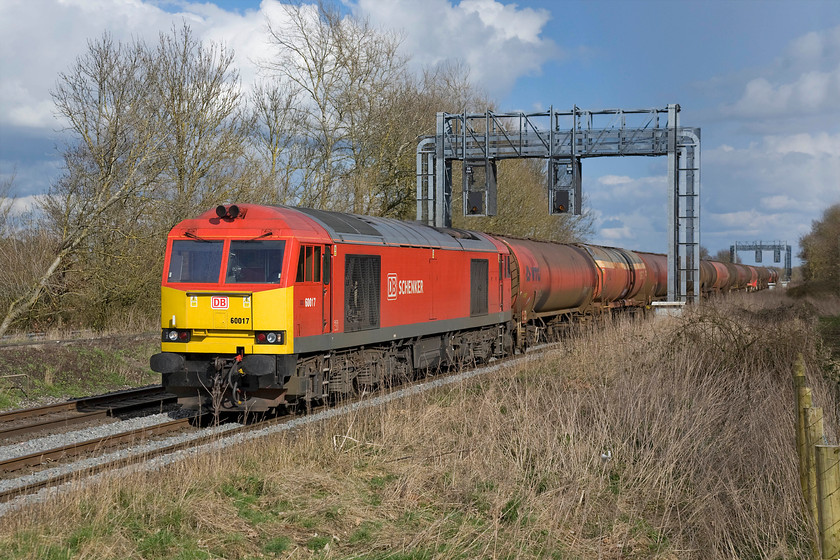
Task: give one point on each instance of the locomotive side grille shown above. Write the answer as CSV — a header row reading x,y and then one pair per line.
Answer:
x,y
361,292
478,287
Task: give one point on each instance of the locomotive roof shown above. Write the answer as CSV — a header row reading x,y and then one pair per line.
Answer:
x,y
387,231
310,223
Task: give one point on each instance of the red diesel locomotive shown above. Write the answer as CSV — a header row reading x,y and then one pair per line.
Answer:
x,y
263,307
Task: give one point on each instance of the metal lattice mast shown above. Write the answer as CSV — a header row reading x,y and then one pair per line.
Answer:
x,y
564,139
759,247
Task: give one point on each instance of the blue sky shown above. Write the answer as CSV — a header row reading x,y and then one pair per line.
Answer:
x,y
760,78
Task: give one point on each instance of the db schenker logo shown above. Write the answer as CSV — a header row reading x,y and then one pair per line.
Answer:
x,y
392,287
398,287
218,302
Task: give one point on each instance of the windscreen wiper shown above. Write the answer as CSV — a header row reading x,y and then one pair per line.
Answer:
x,y
197,238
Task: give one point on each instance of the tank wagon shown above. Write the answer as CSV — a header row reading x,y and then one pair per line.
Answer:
x,y
263,307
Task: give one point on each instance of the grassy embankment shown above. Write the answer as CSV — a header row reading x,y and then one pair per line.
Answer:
x,y
695,414
33,373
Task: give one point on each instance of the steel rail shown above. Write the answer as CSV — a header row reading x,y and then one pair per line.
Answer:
x,y
55,423
111,401
122,462
80,404
40,457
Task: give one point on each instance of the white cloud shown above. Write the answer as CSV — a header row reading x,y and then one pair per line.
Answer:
x,y
615,180
508,20
777,202
617,234
22,205
639,229
818,145
815,46
39,39
805,168
499,42
805,80
622,188
747,220
769,190
811,92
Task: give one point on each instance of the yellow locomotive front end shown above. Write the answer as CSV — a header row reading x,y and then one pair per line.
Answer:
x,y
226,315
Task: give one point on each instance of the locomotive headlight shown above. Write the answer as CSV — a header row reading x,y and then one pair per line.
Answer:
x,y
175,335
273,337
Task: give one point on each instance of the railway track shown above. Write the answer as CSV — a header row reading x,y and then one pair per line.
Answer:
x,y
166,450
79,411
139,453
93,445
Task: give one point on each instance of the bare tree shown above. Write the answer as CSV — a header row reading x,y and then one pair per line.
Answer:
x,y
307,63
820,251
723,255
102,102
279,152
345,75
156,134
194,89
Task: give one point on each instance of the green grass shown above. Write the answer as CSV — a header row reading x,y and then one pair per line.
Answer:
x,y
319,542
277,545
73,370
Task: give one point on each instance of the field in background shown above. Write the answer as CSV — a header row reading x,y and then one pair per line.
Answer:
x,y
668,439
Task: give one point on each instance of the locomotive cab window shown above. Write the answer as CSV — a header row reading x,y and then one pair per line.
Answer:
x,y
255,262
309,264
196,262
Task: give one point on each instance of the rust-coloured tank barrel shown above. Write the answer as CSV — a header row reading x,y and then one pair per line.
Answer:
x,y
743,276
724,277
549,277
732,269
708,276
753,281
764,276
621,273
656,284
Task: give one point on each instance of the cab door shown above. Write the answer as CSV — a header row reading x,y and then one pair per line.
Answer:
x,y
326,280
309,293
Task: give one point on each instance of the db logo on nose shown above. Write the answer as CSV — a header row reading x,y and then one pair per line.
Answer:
x,y
218,302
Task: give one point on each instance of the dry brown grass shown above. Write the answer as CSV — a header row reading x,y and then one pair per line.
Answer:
x,y
695,414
